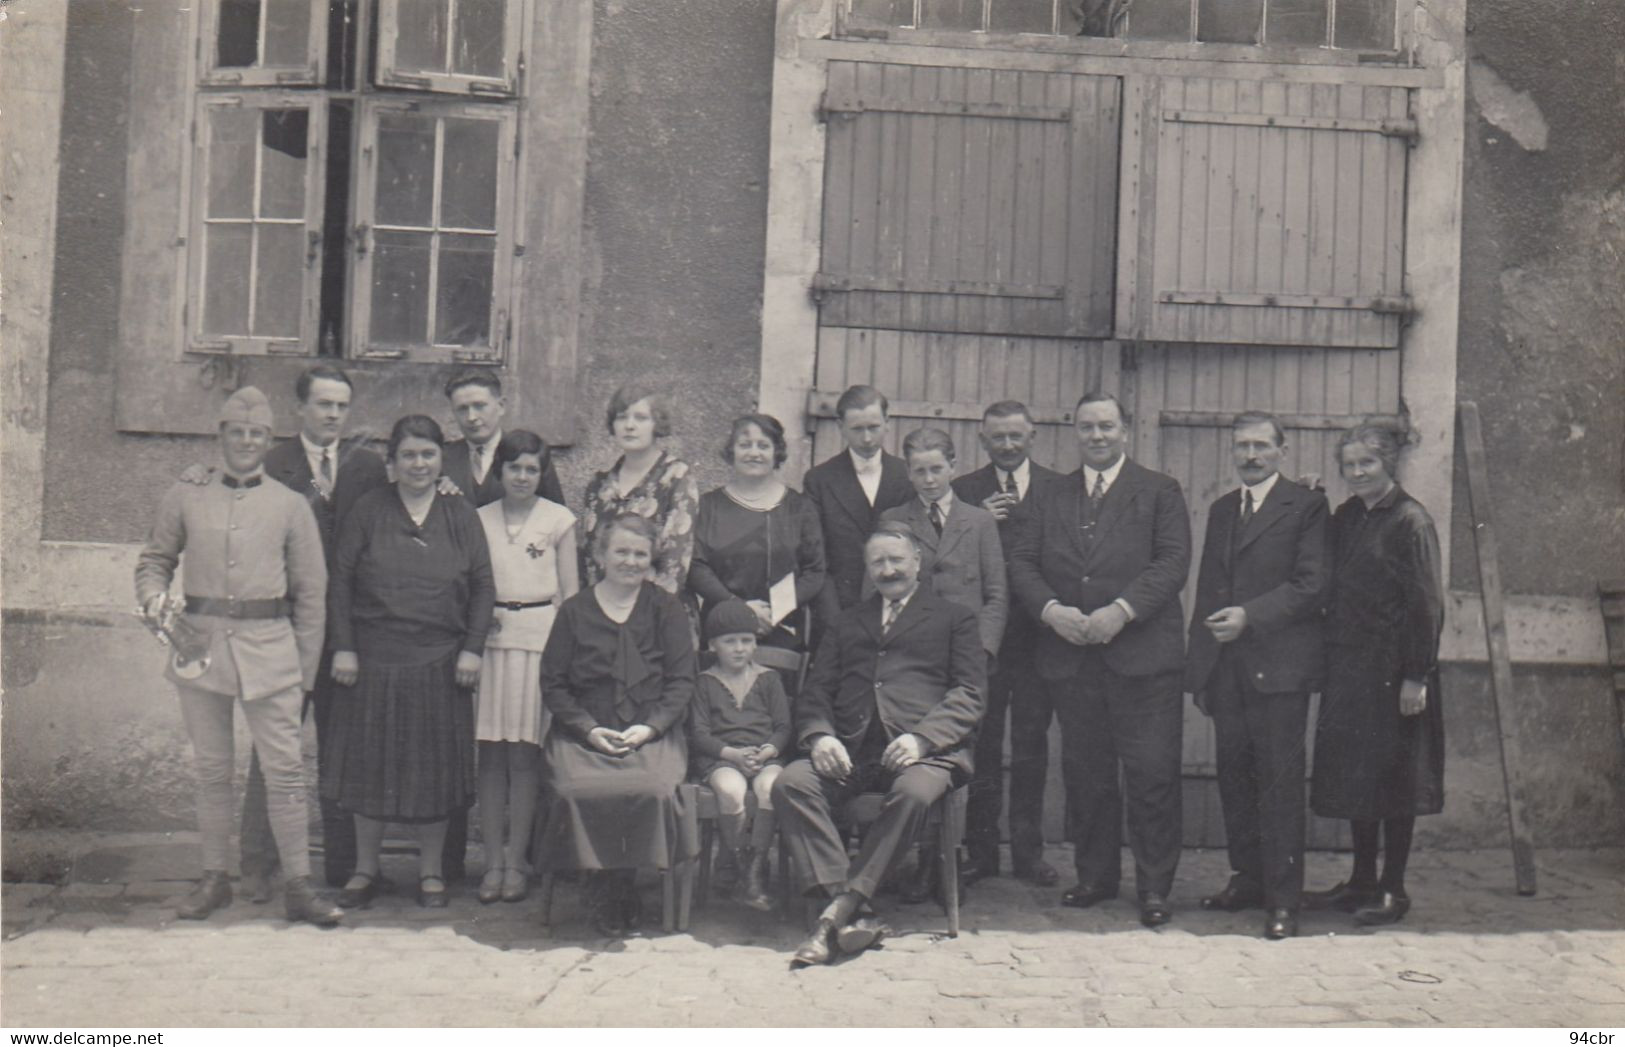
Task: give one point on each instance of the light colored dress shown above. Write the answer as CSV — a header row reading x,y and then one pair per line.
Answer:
x,y
526,566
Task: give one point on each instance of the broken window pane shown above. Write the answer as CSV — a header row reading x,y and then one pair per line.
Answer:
x,y
883,14
279,280
1365,25
1107,17
285,134
226,279
400,287
282,39
468,184
1229,21
239,34
1022,16
479,31
951,14
463,299
1160,20
405,170
232,147
1296,22
420,41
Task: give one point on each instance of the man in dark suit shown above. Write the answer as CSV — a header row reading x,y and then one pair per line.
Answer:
x,y
891,704
851,490
479,407
1101,558
331,473
1002,487
1255,655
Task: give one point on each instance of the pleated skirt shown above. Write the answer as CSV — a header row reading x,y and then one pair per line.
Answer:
x,y
611,812
402,743
510,698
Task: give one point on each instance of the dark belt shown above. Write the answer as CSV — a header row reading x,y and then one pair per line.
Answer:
x,y
219,607
520,605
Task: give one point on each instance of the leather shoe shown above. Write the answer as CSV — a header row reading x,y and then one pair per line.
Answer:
x,y
433,899
1345,897
1388,908
211,893
1154,911
490,891
358,897
1235,897
862,933
1281,923
1084,895
927,875
978,867
255,886
1040,874
301,903
819,948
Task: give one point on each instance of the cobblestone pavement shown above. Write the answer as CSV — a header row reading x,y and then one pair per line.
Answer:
x,y
1471,953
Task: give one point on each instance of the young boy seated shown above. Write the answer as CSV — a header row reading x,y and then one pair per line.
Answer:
x,y
738,726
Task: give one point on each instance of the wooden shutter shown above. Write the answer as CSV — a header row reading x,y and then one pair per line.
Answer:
x,y
1272,213
964,201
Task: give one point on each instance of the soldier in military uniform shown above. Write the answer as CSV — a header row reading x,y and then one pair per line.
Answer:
x,y
256,582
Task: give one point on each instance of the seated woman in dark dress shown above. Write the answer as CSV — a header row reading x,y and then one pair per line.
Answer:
x,y
754,531
409,603
1379,742
618,676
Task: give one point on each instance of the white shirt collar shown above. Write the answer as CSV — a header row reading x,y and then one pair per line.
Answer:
x,y
866,466
483,454
1022,473
1110,473
1261,491
886,601
313,454
945,506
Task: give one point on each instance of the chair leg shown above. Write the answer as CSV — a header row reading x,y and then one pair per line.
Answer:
x,y
786,887
668,899
685,893
549,879
950,877
708,833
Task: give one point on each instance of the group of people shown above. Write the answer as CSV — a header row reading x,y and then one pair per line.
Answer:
x,y
458,633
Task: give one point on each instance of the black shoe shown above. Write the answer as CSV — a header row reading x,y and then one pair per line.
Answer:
x,y
359,897
256,886
604,905
1345,897
301,903
1154,911
978,867
862,933
433,899
924,883
1388,908
1281,923
819,948
1236,896
211,893
1040,874
1084,895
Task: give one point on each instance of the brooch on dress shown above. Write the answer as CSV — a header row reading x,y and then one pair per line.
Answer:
x,y
533,552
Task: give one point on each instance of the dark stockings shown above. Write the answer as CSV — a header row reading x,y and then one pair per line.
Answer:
x,y
1395,836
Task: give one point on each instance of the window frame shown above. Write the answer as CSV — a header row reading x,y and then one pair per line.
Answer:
x,y
505,262
388,73
312,74
195,239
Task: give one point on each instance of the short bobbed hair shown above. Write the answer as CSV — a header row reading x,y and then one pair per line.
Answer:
x,y
419,425
1383,441
771,428
516,442
301,385
627,395
922,440
631,523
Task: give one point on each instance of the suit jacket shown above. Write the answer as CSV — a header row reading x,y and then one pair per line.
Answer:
x,y
1277,570
359,471
927,676
1020,628
965,564
457,464
1141,553
848,519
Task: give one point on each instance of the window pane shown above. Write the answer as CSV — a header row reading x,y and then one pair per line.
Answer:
x,y
479,33
231,162
1160,20
1105,17
1365,25
225,279
279,294
1022,16
1300,22
400,288
1229,21
287,32
239,42
285,134
882,13
405,170
468,186
421,39
463,300
951,14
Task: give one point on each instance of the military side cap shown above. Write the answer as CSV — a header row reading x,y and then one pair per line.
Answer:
x,y
249,406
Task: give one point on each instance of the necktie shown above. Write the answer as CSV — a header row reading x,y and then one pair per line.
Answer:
x,y
1246,509
1097,496
479,464
893,609
936,518
327,471
1010,487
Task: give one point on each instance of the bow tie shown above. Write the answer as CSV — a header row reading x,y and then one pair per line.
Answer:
x,y
232,481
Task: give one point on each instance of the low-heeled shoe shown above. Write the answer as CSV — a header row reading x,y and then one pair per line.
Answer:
x,y
1389,908
819,948
1345,897
1281,923
358,897
1234,898
863,933
1040,874
1083,895
1154,910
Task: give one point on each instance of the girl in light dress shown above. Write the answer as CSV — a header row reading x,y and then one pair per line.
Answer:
x,y
532,542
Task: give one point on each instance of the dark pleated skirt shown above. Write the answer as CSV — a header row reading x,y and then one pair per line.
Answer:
x,y
401,743
611,812
1370,762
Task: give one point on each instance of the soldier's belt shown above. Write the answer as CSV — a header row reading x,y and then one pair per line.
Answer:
x,y
220,607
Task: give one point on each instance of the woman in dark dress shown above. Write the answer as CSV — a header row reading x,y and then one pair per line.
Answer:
x,y
755,531
618,676
1379,744
409,603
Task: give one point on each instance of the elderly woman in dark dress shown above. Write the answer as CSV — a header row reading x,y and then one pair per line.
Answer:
x,y
618,676
1379,744
409,604
755,531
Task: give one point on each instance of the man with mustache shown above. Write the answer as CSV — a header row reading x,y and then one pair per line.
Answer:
x,y
891,705
1255,654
